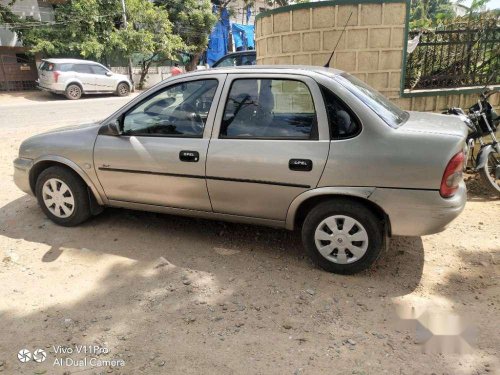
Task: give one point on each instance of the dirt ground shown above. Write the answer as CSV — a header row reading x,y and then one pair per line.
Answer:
x,y
171,295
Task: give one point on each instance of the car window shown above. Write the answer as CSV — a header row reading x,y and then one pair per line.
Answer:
x,y
65,67
269,109
343,123
228,61
180,110
45,65
248,60
97,69
378,103
82,68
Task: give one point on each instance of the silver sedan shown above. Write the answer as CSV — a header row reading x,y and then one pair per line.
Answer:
x,y
293,147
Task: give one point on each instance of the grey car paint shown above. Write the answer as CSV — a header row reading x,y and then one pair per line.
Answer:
x,y
399,170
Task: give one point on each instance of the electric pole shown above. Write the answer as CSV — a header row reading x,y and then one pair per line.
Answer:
x,y
130,73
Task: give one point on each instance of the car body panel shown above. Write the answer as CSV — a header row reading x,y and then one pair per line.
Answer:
x,y
398,170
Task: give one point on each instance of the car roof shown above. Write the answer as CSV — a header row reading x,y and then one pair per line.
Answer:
x,y
70,61
273,69
247,52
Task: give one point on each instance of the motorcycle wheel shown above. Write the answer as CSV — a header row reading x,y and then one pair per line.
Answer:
x,y
490,173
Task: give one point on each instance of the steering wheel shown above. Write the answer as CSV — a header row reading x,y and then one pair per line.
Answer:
x,y
195,121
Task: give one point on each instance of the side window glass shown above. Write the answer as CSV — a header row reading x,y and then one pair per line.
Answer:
x,y
98,70
66,67
230,61
180,110
269,109
82,68
343,123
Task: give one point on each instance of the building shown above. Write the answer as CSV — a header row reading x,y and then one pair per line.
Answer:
x,y
17,67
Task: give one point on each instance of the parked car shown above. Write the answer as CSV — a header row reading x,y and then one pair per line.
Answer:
x,y
73,78
236,59
309,148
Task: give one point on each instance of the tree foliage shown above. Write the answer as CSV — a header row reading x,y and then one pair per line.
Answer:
x,y
193,21
427,13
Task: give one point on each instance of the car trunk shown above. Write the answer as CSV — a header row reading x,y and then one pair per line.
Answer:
x,y
433,123
46,73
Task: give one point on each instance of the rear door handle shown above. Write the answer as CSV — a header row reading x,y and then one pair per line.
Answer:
x,y
304,165
189,156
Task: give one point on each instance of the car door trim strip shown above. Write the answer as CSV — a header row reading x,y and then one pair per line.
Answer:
x,y
207,177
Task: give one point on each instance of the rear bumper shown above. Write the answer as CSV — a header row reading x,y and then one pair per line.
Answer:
x,y
55,88
22,169
419,212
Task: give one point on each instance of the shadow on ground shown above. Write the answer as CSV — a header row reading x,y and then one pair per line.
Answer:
x,y
247,288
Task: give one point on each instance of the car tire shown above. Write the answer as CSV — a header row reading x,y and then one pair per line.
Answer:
x,y
342,250
63,196
73,92
123,89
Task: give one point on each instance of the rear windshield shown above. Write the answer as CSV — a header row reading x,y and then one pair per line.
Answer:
x,y
378,103
45,65
48,66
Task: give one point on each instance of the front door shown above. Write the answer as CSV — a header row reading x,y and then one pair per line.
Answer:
x,y
160,157
270,144
103,82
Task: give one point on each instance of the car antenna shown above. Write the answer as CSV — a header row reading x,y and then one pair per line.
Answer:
x,y
338,41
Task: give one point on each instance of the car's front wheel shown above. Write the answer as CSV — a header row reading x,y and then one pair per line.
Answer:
x,y
123,89
342,236
63,196
73,92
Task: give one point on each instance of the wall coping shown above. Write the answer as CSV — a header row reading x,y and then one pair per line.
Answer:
x,y
441,92
317,4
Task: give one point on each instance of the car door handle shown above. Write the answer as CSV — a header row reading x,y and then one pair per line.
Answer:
x,y
189,156
304,165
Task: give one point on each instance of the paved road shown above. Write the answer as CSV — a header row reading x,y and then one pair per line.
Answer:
x,y
23,113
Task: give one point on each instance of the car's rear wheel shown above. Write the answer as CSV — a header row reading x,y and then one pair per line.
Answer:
x,y
342,236
73,92
123,89
63,196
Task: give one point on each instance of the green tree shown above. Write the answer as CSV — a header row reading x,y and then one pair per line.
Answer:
x,y
427,13
149,34
94,28
193,21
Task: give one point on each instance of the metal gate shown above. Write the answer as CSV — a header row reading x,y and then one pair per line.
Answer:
x,y
17,73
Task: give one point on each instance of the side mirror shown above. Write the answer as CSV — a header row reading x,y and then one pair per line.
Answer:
x,y
114,127
109,74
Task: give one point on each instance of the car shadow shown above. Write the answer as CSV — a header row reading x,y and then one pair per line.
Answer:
x,y
243,281
193,243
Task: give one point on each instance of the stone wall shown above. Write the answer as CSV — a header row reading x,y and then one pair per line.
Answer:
x,y
371,48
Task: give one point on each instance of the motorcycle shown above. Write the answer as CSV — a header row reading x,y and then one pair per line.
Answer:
x,y
482,121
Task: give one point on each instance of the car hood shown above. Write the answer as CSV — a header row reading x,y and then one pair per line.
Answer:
x,y
61,142
433,123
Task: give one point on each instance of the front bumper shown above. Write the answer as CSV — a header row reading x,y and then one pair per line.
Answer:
x,y
22,167
419,212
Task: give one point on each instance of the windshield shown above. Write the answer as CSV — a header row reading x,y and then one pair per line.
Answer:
x,y
378,103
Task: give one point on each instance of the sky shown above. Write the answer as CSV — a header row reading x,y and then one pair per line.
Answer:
x,y
493,4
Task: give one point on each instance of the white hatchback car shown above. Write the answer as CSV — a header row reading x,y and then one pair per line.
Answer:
x,y
73,78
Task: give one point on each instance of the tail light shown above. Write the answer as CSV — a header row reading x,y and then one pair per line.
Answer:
x,y
56,75
452,175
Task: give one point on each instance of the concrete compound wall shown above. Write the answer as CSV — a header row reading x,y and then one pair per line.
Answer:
x,y
372,48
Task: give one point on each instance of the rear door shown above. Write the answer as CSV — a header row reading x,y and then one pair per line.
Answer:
x,y
85,74
269,144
